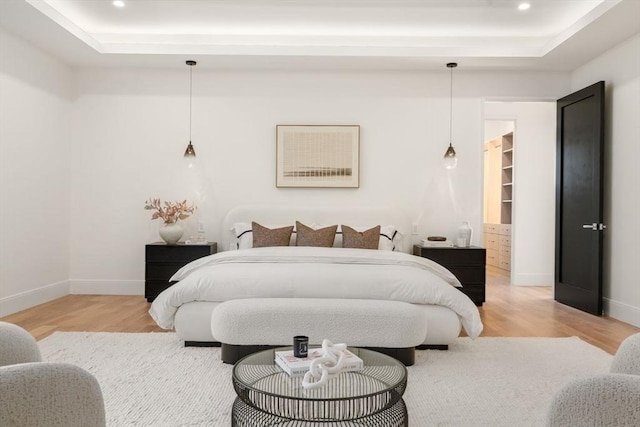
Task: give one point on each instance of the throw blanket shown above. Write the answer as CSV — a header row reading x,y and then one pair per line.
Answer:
x,y
309,272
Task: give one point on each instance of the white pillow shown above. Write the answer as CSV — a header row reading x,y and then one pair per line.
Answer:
x,y
244,235
390,238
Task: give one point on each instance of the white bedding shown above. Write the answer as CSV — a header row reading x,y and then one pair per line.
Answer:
x,y
309,272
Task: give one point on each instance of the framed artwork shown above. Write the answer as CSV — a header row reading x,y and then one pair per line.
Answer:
x,y
318,156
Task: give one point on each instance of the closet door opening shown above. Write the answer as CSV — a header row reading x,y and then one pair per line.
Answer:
x,y
498,203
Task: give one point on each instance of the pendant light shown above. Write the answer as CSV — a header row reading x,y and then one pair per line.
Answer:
x,y
450,159
190,152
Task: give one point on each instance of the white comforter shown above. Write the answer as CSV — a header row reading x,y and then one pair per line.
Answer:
x,y
309,272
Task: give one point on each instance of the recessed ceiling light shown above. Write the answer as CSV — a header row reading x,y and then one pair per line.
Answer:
x,y
118,3
524,6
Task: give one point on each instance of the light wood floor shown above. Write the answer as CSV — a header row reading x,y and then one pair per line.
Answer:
x,y
510,311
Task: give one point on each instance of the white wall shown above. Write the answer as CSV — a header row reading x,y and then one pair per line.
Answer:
x,y
35,99
533,217
620,69
130,127
496,128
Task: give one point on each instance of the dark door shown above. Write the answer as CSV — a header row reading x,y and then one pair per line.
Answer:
x,y
579,188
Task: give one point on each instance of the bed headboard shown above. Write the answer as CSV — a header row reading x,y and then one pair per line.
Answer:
x,y
284,215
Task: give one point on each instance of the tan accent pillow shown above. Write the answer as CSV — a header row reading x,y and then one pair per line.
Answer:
x,y
263,236
367,239
307,236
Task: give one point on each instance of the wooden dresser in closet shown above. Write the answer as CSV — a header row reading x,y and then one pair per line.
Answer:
x,y
497,240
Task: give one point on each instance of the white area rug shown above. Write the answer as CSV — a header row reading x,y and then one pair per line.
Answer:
x,y
153,380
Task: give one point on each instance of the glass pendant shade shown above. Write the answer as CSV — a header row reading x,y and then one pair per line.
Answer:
x,y
190,152
450,159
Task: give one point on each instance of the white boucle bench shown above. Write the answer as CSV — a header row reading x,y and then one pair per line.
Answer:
x,y
244,326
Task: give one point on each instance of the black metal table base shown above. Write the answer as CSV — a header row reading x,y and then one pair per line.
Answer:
x,y
244,415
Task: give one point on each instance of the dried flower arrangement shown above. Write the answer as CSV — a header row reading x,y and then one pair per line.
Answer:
x,y
170,212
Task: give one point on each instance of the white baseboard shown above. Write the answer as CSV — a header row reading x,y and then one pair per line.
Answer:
x,y
621,311
532,280
14,303
107,287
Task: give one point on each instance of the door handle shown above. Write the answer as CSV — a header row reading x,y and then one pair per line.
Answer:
x,y
594,226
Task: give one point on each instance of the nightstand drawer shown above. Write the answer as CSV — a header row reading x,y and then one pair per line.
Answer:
x,y
467,264
468,274
452,256
178,253
162,261
161,270
476,292
153,288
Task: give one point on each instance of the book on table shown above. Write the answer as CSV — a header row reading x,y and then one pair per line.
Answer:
x,y
436,244
298,366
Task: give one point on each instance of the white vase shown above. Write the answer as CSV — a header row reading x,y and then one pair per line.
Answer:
x,y
171,233
464,233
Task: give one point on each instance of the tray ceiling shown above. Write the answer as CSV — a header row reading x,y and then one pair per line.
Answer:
x,y
379,34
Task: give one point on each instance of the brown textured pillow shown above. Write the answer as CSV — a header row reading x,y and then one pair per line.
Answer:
x,y
263,236
307,236
362,240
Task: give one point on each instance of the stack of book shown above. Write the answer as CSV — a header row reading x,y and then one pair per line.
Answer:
x,y
436,243
298,366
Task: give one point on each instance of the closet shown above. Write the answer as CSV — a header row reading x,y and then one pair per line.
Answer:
x,y
498,200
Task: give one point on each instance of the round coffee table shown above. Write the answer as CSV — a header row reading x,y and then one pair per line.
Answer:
x,y
370,397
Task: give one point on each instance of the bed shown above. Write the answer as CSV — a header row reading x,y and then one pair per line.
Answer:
x,y
313,272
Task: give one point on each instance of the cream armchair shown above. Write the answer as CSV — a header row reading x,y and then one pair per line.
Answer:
x,y
17,345
603,400
35,393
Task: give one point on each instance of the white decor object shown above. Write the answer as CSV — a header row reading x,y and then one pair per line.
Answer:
x,y
487,382
171,233
170,213
464,232
298,366
325,367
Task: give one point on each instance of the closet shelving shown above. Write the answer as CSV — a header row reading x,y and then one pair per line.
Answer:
x,y
499,191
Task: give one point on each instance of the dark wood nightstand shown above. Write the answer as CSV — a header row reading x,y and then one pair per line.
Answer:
x,y
467,264
162,261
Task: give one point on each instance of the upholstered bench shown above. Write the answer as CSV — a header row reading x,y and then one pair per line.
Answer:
x,y
245,326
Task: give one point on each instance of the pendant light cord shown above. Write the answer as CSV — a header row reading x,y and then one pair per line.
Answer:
x,y
450,104
190,99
